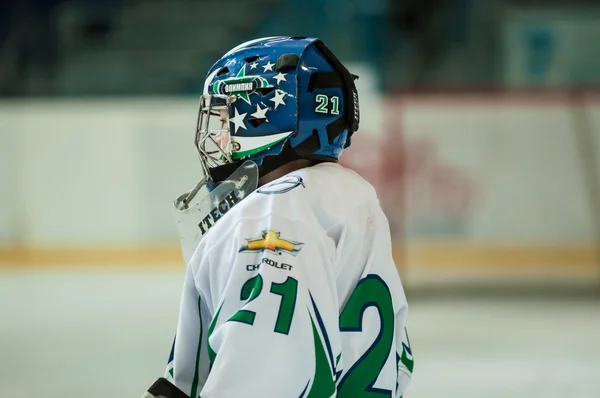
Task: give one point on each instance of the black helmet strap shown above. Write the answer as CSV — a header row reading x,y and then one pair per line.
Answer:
x,y
343,79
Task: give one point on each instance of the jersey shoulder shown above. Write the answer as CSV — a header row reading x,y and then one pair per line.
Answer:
x,y
317,196
320,195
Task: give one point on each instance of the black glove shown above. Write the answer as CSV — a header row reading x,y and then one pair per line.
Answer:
x,y
162,388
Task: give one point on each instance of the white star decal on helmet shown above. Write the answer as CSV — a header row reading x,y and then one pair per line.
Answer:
x,y
278,99
260,113
268,66
253,65
280,77
238,121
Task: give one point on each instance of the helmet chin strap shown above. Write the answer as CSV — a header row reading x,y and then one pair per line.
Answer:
x,y
220,173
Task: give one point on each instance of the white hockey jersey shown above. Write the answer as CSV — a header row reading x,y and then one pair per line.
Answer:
x,y
294,293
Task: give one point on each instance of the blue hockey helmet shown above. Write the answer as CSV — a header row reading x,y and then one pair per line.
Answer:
x,y
272,101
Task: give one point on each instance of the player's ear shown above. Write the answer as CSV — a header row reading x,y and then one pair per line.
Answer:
x,y
162,388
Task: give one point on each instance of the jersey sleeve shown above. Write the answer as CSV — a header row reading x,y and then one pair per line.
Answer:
x,y
274,332
188,364
404,355
404,358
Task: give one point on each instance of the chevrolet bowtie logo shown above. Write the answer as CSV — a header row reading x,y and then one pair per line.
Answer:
x,y
270,241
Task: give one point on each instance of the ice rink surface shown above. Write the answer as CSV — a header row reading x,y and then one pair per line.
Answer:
x,y
99,333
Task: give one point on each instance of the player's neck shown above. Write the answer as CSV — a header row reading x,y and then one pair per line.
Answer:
x,y
283,170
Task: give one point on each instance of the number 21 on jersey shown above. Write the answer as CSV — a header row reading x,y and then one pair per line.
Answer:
x,y
370,291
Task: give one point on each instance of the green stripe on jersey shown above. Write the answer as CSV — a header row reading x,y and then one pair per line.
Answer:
x,y
323,385
211,353
194,392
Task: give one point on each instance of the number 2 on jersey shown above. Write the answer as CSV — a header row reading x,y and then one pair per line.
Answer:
x,y
250,290
358,382
287,290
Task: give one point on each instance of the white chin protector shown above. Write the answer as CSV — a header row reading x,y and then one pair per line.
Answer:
x,y
197,211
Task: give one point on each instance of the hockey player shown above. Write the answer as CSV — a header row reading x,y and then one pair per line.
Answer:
x,y
291,289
